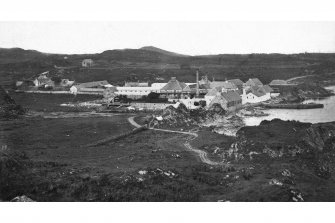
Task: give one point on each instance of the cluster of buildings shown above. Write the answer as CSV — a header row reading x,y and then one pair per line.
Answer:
x,y
230,94
44,81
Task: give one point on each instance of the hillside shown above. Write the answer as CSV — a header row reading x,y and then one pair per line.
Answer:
x,y
155,49
154,64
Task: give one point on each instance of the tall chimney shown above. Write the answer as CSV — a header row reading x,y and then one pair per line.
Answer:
x,y
197,83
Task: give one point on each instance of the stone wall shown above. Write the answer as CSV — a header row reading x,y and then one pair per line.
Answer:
x,y
150,106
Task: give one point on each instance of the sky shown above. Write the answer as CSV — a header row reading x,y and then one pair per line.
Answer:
x,y
191,38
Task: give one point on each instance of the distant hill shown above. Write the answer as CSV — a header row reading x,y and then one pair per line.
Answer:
x,y
153,64
14,55
155,49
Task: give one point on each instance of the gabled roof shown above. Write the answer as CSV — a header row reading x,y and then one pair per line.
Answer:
x,y
201,86
278,82
236,81
267,89
224,84
214,91
254,81
258,91
175,85
43,78
231,96
136,84
111,89
158,85
92,84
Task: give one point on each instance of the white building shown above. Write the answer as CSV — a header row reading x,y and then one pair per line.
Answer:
x,y
136,84
91,87
211,95
136,92
255,94
87,63
190,103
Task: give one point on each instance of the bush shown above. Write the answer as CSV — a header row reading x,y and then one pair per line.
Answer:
x,y
153,95
202,103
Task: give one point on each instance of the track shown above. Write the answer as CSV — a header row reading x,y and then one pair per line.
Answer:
x,y
131,120
191,136
295,78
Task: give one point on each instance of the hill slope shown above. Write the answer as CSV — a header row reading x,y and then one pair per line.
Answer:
x,y
155,49
154,64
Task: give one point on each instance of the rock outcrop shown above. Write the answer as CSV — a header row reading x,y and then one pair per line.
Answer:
x,y
277,139
22,198
8,107
181,117
320,136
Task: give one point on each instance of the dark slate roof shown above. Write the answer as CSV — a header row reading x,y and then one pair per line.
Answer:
x,y
257,90
231,96
175,85
224,84
255,81
214,91
267,89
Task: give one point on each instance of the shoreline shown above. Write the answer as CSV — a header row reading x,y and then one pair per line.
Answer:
x,y
293,106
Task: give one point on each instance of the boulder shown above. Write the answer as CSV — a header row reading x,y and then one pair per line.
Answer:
x,y
22,198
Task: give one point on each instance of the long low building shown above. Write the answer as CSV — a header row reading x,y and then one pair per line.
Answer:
x,y
90,87
136,92
281,85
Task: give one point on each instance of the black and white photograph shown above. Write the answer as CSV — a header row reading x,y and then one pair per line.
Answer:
x,y
151,110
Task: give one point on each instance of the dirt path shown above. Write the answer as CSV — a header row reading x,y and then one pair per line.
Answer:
x,y
131,120
191,136
294,78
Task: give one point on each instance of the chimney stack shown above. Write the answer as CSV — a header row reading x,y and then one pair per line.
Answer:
x,y
197,94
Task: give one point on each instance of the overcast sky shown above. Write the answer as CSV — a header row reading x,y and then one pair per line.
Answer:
x,y
193,38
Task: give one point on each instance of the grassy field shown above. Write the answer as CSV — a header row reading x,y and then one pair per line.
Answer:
x,y
49,159
49,102
61,139
58,165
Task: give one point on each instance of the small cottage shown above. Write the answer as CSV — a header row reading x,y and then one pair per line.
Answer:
x,y
87,63
43,81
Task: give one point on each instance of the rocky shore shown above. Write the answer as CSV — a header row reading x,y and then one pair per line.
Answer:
x,y
303,92
275,161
